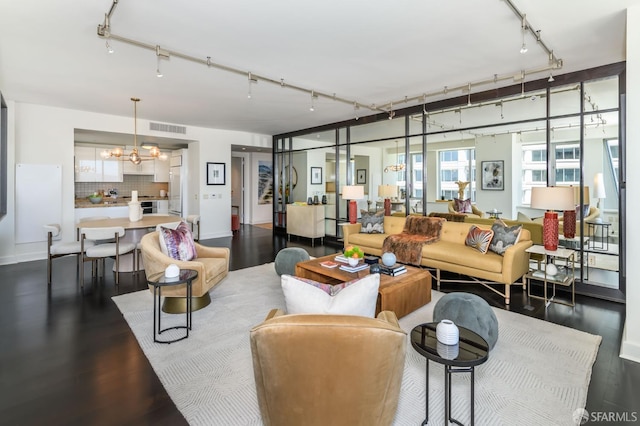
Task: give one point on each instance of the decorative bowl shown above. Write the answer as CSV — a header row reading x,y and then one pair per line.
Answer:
x,y
95,200
353,261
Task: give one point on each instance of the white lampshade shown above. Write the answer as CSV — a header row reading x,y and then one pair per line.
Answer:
x,y
352,192
552,198
598,186
387,191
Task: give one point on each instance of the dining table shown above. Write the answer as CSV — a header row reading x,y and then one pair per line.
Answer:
x,y
134,231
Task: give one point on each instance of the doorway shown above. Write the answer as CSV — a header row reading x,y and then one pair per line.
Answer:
x,y
237,187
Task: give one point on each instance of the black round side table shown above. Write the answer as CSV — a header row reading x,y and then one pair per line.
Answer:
x,y
186,277
472,350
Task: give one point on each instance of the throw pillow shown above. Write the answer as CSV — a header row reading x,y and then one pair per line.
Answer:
x,y
479,238
372,223
357,297
585,210
523,218
462,206
178,242
504,236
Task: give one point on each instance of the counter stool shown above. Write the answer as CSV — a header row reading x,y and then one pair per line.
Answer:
x,y
194,221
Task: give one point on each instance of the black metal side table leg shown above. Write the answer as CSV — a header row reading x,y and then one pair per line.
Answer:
x,y
426,395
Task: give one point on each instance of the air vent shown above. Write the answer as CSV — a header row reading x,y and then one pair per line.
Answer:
x,y
169,128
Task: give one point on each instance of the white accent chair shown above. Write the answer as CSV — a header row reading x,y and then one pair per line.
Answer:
x,y
101,251
60,249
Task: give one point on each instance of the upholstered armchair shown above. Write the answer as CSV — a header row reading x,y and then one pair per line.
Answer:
x,y
212,265
475,211
328,369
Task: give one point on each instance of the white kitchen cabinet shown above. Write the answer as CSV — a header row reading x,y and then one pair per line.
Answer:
x,y
146,167
111,168
162,207
161,170
305,221
87,169
120,211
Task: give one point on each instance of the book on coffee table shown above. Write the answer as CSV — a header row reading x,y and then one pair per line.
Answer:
x,y
360,267
328,264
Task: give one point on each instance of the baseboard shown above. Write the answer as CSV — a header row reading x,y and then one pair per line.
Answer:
x,y
628,349
216,235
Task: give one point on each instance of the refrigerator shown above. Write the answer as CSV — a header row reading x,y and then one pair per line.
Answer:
x,y
176,178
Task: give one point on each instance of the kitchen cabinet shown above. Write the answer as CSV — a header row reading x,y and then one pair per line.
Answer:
x,y
146,167
91,167
161,170
120,211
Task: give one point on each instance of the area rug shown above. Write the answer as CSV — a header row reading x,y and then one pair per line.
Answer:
x,y
537,374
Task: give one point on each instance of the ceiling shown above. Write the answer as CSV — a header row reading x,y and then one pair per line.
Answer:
x,y
369,51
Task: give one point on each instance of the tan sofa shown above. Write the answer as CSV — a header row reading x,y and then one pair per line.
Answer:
x,y
451,254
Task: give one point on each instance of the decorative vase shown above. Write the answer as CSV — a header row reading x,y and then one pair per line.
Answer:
x,y
448,351
551,269
550,231
324,199
447,332
388,259
353,261
309,201
569,223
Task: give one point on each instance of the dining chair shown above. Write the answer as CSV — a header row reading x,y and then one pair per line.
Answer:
x,y
100,251
60,249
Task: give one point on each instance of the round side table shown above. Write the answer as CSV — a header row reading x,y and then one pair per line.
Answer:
x,y
186,277
472,350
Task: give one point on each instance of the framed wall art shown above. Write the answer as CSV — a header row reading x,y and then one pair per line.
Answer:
x,y
316,176
493,175
361,176
216,173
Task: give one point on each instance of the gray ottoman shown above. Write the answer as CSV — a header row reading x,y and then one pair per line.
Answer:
x,y
287,258
468,311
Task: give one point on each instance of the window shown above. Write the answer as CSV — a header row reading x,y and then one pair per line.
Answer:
x,y
538,175
539,155
568,153
457,165
571,176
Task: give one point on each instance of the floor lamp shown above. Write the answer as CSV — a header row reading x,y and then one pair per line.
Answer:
x,y
353,193
386,192
599,192
552,198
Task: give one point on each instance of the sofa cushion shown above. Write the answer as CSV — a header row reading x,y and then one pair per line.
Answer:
x,y
178,242
357,297
504,236
461,255
462,206
479,238
372,223
367,240
393,225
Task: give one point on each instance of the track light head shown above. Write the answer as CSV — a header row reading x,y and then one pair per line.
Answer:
x,y
551,79
524,49
109,48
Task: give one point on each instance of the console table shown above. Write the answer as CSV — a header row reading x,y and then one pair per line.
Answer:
x,y
305,221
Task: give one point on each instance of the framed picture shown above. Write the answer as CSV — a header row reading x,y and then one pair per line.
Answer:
x,y
316,176
361,176
493,175
216,173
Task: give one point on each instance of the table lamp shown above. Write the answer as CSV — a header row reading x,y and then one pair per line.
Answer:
x,y
551,198
599,192
352,193
386,192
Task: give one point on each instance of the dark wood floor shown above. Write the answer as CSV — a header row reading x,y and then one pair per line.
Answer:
x,y
68,358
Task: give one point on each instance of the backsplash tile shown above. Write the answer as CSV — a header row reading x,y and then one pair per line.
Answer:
x,y
144,184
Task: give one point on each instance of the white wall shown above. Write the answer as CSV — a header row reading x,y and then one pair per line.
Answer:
x,y
40,134
631,336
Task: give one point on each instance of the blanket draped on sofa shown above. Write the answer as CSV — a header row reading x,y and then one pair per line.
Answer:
x,y
418,231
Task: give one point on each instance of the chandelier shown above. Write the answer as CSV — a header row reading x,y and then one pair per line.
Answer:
x,y
398,167
134,156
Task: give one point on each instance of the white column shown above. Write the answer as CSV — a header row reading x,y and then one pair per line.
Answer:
x,y
630,348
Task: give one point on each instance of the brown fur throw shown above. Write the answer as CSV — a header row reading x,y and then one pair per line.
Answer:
x,y
418,231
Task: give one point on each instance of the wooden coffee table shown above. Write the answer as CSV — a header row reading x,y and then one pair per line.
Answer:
x,y
402,294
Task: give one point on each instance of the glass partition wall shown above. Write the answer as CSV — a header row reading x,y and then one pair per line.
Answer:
x,y
496,148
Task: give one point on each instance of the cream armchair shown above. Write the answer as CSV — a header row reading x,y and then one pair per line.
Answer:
x,y
212,265
297,384
476,212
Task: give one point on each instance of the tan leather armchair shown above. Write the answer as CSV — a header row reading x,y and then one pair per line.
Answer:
x,y
328,369
212,265
476,211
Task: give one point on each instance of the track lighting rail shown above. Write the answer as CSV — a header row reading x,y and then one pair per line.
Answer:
x,y
104,30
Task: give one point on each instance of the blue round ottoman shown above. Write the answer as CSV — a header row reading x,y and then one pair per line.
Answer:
x,y
287,258
468,311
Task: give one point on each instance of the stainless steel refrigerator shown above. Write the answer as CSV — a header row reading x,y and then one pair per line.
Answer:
x,y
176,177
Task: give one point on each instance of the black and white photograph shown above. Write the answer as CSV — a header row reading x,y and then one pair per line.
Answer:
x,y
316,176
493,175
361,176
215,173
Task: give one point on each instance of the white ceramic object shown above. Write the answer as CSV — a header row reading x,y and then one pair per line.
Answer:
x,y
552,269
353,261
163,193
135,211
172,271
388,259
447,332
448,351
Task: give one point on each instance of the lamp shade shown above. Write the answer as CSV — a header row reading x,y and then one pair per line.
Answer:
x,y
598,186
386,191
352,192
585,195
553,198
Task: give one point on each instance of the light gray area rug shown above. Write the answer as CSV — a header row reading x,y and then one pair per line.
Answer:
x,y
537,374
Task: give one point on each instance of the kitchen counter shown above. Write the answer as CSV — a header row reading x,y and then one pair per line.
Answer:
x,y
83,203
